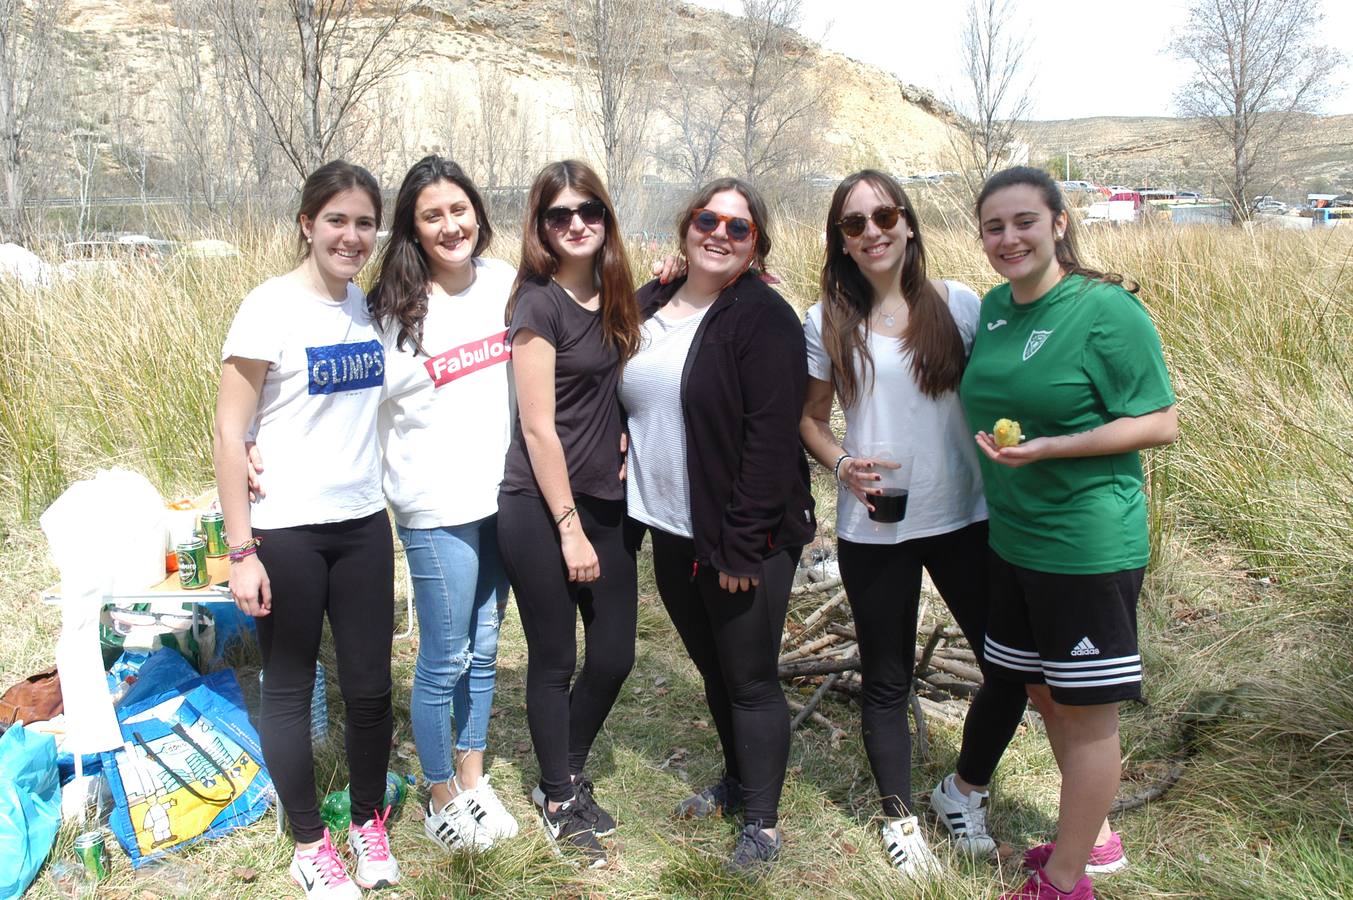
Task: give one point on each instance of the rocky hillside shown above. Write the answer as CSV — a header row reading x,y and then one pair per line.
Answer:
x,y
1313,153
120,49
871,118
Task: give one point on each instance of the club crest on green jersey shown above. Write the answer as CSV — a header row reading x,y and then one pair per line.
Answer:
x,y
1036,341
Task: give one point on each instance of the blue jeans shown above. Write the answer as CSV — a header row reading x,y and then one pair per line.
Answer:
x,y
459,587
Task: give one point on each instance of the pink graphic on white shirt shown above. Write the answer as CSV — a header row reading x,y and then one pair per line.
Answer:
x,y
458,362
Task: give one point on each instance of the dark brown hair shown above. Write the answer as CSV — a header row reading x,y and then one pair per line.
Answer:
x,y
327,182
1068,257
932,335
756,205
619,313
401,289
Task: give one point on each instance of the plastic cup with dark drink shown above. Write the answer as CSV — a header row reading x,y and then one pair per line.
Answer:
x,y
890,506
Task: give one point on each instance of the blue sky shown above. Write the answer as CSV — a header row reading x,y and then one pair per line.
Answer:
x,y
1090,57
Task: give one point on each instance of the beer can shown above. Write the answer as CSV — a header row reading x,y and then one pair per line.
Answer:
x,y
213,532
192,556
92,852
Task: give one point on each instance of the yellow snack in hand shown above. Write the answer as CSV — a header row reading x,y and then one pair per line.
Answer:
x,y
1007,433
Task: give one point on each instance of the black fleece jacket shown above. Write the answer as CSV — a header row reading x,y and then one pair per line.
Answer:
x,y
742,393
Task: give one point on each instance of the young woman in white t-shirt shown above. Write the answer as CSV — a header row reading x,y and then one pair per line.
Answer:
x,y
890,345
444,429
303,368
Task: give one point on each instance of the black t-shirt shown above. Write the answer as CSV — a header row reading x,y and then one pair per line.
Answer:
x,y
587,413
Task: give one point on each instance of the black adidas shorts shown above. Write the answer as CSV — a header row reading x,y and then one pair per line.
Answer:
x,y
1075,633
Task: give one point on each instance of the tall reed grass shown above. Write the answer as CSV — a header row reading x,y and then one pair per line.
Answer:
x,y
120,366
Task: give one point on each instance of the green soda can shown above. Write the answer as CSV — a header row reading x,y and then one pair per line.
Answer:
x,y
213,532
192,556
92,852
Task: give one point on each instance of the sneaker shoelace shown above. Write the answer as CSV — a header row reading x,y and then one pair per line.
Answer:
x,y
327,862
753,844
375,841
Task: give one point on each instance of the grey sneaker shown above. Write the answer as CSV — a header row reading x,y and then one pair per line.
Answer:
x,y
722,798
754,849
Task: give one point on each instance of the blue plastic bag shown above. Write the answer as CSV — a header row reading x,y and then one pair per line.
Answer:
x,y
30,806
191,768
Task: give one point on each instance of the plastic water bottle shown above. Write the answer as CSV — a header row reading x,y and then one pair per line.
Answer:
x,y
336,810
319,709
396,789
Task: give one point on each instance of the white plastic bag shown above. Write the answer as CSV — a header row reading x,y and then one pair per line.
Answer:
x,y
108,534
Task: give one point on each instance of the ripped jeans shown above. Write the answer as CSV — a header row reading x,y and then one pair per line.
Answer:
x,y
459,588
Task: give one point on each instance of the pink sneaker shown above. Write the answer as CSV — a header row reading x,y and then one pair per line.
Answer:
x,y
1039,888
1105,858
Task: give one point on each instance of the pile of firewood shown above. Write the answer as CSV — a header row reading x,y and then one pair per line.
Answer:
x,y
819,650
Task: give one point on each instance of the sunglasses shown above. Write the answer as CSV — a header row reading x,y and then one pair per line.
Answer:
x,y
737,228
559,218
884,217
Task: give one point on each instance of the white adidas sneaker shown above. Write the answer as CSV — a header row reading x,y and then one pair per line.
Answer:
x,y
907,850
965,817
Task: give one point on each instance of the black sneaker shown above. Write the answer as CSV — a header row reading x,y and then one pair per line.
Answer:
x,y
724,798
755,848
566,826
603,823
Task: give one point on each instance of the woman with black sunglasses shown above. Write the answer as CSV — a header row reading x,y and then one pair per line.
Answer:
x,y
891,345
717,475
572,322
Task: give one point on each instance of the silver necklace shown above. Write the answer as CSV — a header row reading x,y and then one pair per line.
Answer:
x,y
888,317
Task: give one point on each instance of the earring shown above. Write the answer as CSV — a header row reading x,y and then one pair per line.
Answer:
x,y
309,239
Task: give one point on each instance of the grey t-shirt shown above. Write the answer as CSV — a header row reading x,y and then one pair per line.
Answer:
x,y
659,490
587,413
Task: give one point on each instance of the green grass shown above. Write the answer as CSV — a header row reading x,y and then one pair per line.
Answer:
x,y
1248,594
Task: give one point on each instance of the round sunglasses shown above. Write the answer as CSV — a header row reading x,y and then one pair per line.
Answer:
x,y
737,228
559,218
884,217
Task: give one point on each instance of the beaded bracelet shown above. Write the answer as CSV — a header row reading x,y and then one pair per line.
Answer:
x,y
245,550
836,471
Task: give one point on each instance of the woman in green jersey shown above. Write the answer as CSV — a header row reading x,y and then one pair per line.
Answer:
x,y
1071,355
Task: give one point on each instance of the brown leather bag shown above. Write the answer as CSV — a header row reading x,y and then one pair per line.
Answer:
x,y
35,699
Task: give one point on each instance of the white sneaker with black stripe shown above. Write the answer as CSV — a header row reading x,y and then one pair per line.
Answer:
x,y
965,817
474,819
907,850
488,812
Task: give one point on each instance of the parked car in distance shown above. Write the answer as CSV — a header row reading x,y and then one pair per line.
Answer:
x,y
1268,204
1188,195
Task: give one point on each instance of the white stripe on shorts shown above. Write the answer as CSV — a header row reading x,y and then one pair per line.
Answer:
x,y
1010,658
1095,663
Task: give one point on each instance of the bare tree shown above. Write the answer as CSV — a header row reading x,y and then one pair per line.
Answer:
x,y
698,114
1256,62
311,67
29,97
995,93
613,41
773,102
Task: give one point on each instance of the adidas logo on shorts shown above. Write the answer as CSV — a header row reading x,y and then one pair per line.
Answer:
x,y
1084,648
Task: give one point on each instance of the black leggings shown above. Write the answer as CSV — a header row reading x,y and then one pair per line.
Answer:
x,y
347,570
734,640
883,585
564,722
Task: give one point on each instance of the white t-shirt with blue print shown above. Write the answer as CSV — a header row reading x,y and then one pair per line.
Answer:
x,y
316,419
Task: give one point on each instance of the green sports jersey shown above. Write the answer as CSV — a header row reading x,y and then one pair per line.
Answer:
x,y
1081,355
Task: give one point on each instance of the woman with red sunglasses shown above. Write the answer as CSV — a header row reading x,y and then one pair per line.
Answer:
x,y
718,477
890,345
572,322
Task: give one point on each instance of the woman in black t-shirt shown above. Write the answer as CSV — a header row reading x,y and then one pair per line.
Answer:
x,y
572,322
